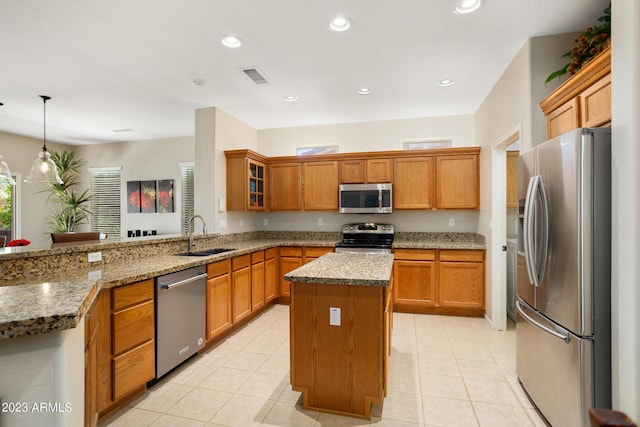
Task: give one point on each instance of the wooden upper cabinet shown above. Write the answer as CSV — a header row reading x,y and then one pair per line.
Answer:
x,y
285,186
457,182
413,183
320,185
360,171
512,179
584,100
246,181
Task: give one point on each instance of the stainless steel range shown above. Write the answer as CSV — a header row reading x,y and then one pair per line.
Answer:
x,y
368,237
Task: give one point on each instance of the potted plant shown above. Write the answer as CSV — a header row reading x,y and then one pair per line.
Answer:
x,y
587,45
71,207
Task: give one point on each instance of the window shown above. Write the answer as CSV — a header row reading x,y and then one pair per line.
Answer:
x,y
105,200
186,173
8,214
425,144
319,149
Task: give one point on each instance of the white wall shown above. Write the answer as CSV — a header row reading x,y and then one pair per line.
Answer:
x,y
155,159
626,205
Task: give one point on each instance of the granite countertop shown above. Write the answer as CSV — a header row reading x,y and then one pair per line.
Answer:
x,y
346,269
58,300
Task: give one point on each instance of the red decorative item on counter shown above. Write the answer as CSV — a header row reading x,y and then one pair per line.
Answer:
x,y
19,242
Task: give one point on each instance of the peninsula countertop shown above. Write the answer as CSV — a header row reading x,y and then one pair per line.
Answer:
x,y
346,269
60,297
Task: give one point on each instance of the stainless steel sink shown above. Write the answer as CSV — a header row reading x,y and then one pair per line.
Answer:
x,y
205,252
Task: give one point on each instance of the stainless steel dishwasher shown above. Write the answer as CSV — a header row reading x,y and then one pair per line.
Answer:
x,y
180,317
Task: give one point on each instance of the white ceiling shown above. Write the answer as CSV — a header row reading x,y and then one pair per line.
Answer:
x,y
121,64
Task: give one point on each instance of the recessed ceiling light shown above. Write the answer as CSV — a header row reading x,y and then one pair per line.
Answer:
x,y
466,6
290,98
364,91
339,23
445,82
231,41
199,82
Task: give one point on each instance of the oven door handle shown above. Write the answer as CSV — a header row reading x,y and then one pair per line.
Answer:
x,y
170,286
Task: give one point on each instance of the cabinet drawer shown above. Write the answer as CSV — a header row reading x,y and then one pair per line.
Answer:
x,y
257,257
133,369
312,252
219,268
414,254
270,253
461,255
291,251
241,262
135,293
132,327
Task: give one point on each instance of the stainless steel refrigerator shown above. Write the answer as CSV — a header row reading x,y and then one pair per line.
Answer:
x,y
563,330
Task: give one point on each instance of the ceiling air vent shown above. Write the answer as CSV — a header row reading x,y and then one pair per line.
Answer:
x,y
255,75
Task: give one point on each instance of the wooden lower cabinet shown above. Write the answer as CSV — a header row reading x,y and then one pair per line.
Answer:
x,y
271,278
257,280
241,287
312,252
338,369
133,369
96,347
219,312
290,259
445,281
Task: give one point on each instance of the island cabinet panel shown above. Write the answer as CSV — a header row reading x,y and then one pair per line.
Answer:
x,y
415,279
461,277
271,277
133,338
285,186
338,369
320,185
291,257
413,183
257,280
457,182
96,359
241,286
219,316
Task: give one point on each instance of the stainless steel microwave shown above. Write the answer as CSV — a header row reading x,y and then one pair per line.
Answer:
x,y
365,198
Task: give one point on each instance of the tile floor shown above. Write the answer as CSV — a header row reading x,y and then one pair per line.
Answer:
x,y
445,371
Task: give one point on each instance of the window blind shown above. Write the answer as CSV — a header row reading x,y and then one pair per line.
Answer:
x,y
105,200
187,210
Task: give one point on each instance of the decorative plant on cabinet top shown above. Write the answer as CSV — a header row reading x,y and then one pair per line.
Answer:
x,y
72,207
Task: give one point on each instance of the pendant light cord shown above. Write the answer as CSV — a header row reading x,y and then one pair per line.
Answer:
x,y
45,98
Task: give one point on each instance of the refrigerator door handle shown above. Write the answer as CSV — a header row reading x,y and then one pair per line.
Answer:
x,y
564,337
536,193
528,230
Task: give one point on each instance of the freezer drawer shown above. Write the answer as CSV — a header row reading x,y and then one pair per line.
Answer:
x,y
555,373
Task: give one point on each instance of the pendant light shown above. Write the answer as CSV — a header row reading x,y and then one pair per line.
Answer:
x,y
43,169
5,173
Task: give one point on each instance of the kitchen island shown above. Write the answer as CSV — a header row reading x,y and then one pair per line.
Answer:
x,y
340,327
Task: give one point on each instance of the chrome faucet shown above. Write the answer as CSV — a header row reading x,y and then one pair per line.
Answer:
x,y
204,230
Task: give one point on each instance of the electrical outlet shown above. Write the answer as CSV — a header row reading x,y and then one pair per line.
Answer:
x,y
222,223
319,221
94,256
452,222
334,316
265,222
94,275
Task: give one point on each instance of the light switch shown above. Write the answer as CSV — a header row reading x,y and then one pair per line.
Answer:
x,y
94,256
334,316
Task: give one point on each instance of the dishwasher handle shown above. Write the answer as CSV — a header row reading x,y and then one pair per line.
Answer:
x,y
169,286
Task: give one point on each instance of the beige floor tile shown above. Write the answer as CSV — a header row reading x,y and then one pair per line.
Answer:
x,y
162,397
289,395
403,406
173,421
444,386
234,342
486,369
429,364
492,415
267,386
251,330
246,361
403,361
386,422
403,321
448,412
200,404
287,415
225,379
536,418
216,356
263,346
331,420
407,381
131,417
243,411
193,374
489,391
275,364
